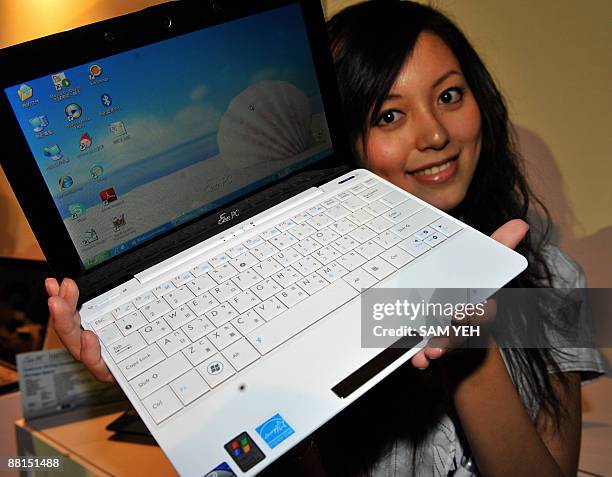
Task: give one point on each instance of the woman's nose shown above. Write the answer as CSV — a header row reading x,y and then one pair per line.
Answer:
x,y
431,133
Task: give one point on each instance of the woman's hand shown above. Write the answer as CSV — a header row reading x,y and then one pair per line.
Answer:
x,y
510,234
65,319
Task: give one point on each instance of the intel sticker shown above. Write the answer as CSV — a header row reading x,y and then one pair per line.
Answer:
x,y
274,431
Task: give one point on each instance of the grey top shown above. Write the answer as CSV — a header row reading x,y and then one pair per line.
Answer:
x,y
442,449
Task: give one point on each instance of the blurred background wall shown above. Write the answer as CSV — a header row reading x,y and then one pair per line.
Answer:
x,y
551,59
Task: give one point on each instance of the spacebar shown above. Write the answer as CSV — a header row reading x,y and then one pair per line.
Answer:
x,y
305,313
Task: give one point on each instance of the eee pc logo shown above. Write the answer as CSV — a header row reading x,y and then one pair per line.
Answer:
x,y
226,217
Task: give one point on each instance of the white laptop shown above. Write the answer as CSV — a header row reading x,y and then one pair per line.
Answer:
x,y
187,165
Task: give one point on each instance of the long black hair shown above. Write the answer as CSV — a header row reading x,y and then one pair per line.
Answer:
x,y
370,43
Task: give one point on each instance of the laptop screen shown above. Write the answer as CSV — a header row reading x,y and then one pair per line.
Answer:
x,y
136,144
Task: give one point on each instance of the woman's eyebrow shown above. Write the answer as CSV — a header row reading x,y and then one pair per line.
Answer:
x,y
442,78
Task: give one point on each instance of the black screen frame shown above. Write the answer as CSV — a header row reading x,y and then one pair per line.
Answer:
x,y
75,47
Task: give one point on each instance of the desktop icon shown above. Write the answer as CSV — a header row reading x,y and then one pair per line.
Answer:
x,y
53,152
89,236
24,92
106,100
39,123
96,171
85,142
73,111
94,71
118,129
60,81
76,210
65,182
108,195
119,222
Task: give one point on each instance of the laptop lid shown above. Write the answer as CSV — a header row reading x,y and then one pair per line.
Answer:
x,y
137,137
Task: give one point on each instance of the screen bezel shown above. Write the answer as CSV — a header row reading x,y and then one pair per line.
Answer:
x,y
65,50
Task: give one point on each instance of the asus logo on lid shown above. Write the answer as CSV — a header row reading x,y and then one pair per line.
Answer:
x,y
227,216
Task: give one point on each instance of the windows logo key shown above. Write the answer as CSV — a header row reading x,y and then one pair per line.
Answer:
x,y
244,451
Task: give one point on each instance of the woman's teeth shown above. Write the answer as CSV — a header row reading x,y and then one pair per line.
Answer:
x,y
433,170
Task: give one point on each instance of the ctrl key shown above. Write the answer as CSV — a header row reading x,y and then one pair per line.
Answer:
x,y
162,404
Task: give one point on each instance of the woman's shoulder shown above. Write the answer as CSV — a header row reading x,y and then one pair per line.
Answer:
x,y
566,272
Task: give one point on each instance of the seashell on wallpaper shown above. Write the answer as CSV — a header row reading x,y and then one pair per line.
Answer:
x,y
268,121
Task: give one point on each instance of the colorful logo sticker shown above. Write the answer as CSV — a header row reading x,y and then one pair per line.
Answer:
x,y
274,431
85,142
222,470
244,451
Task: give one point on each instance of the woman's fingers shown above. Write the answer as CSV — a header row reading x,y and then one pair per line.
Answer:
x,y
92,359
64,317
511,233
419,360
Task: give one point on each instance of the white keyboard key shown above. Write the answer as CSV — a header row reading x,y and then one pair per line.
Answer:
x,y
342,196
376,208
286,277
263,251
415,222
343,226
189,387
328,203
240,354
325,236
287,256
312,283
269,308
379,268
162,404
182,279
173,342
316,210
155,309
375,192
264,269
345,244
219,259
397,257
248,321
332,271
283,240
337,212
201,269
356,189
354,203
141,361
414,246
237,250
159,375
155,330
446,226
393,198
130,323
164,288
143,299
203,303
307,265
369,249
223,336
275,332
266,288
326,254
199,351
371,182
225,291
424,233
268,234
248,278
284,226
109,334
379,224
291,295
351,260
126,347
224,272
222,314
253,242
435,239
301,217
243,262
307,246
215,370
180,316
359,279
320,221
244,301
201,284
403,211
387,239
363,234
123,309
102,321
197,328
179,296
302,231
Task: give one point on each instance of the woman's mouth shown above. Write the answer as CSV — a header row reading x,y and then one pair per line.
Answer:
x,y
438,173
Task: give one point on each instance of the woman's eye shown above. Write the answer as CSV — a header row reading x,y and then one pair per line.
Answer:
x,y
451,96
388,117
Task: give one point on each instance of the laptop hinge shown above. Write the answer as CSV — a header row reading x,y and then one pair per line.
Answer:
x,y
227,237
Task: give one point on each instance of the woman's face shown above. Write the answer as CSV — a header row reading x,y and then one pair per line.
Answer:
x,y
427,137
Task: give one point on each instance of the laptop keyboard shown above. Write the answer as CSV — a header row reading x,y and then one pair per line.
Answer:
x,y
181,339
